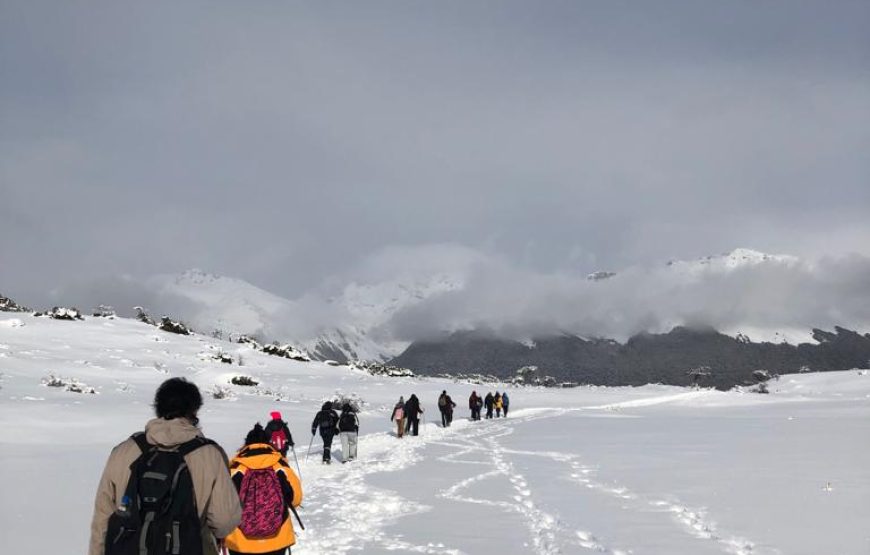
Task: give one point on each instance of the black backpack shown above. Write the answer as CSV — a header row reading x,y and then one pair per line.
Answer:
x,y
347,422
157,514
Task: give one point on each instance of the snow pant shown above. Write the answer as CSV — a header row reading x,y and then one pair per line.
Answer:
x,y
348,445
327,445
400,427
489,412
444,419
497,412
449,416
505,411
413,426
475,414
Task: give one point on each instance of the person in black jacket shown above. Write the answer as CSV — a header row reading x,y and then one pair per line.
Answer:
x,y
474,403
348,426
446,406
412,414
279,434
488,402
327,420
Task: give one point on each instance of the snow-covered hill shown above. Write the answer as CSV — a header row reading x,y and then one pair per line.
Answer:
x,y
223,303
360,311
654,469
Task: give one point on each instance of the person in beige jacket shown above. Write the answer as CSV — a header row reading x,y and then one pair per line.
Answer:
x,y
176,404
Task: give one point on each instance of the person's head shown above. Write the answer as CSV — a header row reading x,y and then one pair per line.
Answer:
x,y
275,415
444,392
346,408
257,435
327,406
177,398
402,399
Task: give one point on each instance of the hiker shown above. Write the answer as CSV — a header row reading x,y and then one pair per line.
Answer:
x,y
474,403
496,402
268,489
412,415
505,403
279,434
488,403
348,426
446,406
399,417
134,486
327,420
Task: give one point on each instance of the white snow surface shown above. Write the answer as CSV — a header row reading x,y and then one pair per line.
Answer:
x,y
645,470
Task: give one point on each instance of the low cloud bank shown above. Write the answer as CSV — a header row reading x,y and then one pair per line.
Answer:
x,y
478,290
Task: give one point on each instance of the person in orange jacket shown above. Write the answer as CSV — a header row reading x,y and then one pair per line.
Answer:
x,y
269,490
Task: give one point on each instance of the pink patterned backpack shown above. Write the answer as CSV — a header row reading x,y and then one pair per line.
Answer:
x,y
263,506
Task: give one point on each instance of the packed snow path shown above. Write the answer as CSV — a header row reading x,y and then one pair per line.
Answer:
x,y
352,510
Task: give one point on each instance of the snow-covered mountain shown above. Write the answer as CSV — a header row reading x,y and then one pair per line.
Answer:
x,y
360,310
729,261
223,303
353,322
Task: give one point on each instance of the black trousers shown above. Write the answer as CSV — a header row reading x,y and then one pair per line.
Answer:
x,y
489,412
327,446
413,426
445,420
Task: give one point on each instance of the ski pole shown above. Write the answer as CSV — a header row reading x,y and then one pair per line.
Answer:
x,y
292,448
310,443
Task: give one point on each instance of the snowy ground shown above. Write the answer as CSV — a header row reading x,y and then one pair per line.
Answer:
x,y
657,470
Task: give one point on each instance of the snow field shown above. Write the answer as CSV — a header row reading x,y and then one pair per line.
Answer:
x,y
652,470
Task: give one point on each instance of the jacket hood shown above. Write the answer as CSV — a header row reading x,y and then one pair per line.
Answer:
x,y
257,455
169,433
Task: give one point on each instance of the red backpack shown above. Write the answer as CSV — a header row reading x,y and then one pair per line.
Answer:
x,y
278,440
263,506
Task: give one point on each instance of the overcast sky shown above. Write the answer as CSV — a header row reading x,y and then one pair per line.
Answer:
x,y
288,143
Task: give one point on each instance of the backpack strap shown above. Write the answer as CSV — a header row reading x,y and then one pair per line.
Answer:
x,y
141,441
190,446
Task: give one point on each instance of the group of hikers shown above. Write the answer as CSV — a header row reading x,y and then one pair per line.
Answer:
x,y
406,414
500,403
168,490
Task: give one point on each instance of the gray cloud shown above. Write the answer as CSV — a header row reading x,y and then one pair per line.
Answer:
x,y
285,144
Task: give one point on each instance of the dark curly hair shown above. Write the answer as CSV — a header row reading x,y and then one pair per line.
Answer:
x,y
177,398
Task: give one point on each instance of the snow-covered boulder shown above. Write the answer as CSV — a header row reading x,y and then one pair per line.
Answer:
x,y
8,305
172,326
63,313
286,351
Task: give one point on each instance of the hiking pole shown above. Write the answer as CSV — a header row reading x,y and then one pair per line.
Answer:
x,y
292,448
310,443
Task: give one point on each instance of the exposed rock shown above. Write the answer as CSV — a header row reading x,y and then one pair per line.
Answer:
x,y
286,351
172,326
379,369
63,313
8,305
